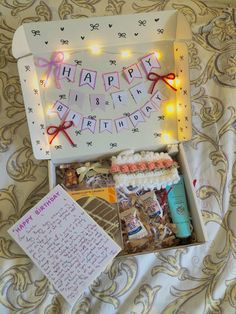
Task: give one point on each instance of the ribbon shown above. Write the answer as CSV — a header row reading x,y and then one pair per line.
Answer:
x,y
154,77
56,60
55,130
164,196
96,167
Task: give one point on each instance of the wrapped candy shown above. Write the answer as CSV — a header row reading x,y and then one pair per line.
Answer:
x,y
151,205
135,228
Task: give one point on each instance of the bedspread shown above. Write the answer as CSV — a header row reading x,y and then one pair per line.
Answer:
x,y
193,280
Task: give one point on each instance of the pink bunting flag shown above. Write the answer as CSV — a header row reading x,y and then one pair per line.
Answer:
x,y
60,109
150,62
139,92
67,71
120,98
75,117
121,124
76,98
105,125
88,77
136,117
132,72
111,79
157,98
97,101
148,108
89,124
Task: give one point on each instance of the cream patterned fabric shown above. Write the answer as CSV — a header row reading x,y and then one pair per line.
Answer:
x,y
194,280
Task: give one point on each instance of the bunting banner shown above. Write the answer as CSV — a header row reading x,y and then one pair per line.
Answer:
x,y
110,80
60,109
132,72
158,98
136,117
76,98
120,98
138,92
126,122
88,77
105,125
60,70
148,108
97,101
67,71
75,117
89,124
121,124
150,62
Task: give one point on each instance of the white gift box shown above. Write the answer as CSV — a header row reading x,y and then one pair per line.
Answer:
x,y
54,59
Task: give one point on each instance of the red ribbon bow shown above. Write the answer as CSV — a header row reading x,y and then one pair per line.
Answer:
x,y
54,130
154,77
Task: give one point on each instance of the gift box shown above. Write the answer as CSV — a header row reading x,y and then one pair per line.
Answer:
x,y
117,82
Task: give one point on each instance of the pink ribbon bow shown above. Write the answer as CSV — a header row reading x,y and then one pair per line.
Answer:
x,y
55,62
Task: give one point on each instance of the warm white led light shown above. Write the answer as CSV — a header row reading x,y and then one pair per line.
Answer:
x,y
95,49
66,55
125,53
177,82
166,137
170,109
49,111
157,54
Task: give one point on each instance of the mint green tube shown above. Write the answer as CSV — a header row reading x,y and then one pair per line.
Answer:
x,y
179,209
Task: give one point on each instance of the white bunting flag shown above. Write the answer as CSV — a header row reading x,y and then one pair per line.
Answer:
x,y
76,98
111,79
88,77
120,98
150,62
75,117
139,92
136,117
67,71
97,101
60,109
105,125
89,124
121,124
132,72
157,98
148,108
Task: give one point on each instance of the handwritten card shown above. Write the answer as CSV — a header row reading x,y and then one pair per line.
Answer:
x,y
65,243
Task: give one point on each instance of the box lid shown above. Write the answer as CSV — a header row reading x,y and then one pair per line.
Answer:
x,y
26,41
141,34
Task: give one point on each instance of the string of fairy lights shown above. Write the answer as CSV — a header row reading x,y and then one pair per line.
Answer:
x,y
97,50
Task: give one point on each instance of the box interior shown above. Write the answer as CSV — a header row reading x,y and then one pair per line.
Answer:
x,y
177,151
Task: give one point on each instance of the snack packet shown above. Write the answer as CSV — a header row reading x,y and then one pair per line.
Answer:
x,y
134,226
151,205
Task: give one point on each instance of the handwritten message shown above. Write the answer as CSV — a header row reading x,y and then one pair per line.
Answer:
x,y
65,243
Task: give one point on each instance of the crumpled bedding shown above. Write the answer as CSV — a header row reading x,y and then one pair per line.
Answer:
x,y
199,279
